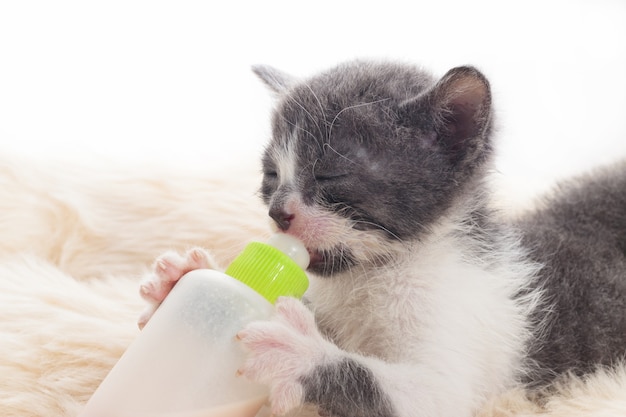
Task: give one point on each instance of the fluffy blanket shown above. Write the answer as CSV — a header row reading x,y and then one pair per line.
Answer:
x,y
76,240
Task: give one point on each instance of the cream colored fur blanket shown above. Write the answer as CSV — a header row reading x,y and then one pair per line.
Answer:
x,y
76,240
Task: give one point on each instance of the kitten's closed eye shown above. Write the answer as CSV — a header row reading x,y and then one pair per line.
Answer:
x,y
269,184
270,174
325,171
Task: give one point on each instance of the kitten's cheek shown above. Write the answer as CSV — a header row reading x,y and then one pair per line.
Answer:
x,y
318,228
313,230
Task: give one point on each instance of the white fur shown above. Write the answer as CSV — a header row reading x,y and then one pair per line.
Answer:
x,y
286,164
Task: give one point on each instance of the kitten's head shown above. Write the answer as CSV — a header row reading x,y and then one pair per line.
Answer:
x,y
367,156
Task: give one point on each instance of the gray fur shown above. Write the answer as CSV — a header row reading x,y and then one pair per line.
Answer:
x,y
356,382
579,235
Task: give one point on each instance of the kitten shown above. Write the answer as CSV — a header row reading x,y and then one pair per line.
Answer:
x,y
423,302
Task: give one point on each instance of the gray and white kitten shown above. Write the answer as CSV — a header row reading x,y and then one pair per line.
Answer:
x,y
423,302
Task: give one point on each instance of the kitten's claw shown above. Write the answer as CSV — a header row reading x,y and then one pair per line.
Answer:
x,y
145,316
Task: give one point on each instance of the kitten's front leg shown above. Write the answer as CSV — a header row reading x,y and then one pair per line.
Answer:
x,y
290,355
300,366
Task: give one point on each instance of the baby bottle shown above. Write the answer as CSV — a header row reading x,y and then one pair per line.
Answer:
x,y
185,360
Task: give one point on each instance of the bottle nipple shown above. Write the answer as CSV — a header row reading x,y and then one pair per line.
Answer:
x,y
291,247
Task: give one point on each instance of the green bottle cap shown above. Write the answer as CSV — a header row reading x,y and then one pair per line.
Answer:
x,y
269,271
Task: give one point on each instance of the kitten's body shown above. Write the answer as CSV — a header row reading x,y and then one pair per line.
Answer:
x,y
579,236
424,304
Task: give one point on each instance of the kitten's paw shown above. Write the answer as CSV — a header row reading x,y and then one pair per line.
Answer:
x,y
283,351
166,271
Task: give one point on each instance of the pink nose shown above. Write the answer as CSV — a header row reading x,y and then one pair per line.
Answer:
x,y
281,217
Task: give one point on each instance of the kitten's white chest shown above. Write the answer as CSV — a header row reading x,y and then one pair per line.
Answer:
x,y
436,305
381,314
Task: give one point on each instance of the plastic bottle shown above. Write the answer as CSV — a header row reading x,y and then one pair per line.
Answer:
x,y
184,362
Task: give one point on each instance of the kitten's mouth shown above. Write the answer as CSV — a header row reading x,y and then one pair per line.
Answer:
x,y
315,258
329,262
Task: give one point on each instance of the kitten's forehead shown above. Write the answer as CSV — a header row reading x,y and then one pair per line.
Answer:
x,y
363,80
314,107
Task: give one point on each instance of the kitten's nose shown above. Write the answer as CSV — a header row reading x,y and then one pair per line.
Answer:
x,y
281,217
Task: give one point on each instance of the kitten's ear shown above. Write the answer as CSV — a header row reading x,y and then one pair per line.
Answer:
x,y
462,100
275,79
460,107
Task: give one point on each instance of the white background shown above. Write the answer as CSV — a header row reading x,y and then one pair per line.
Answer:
x,y
169,81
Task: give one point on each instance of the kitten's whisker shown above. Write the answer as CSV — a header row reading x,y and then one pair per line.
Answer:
x,y
349,212
298,127
330,129
378,226
319,103
327,145
313,119
313,167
